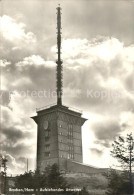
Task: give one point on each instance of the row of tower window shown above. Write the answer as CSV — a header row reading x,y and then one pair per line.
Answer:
x,y
47,133
70,155
70,133
70,126
61,140
69,140
47,147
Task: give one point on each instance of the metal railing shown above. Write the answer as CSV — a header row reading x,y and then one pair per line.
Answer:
x,y
45,107
50,105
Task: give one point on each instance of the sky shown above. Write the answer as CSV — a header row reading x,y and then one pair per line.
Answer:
x,y
98,69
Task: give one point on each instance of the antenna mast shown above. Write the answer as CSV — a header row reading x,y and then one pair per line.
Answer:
x,y
59,61
27,165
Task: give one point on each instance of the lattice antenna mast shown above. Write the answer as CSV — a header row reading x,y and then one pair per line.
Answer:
x,y
59,61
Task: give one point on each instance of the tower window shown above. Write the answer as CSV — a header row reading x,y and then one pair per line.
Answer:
x,y
70,131
47,154
47,133
47,147
70,126
70,156
71,148
47,139
70,151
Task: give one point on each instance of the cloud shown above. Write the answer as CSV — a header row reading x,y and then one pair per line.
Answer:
x,y
106,130
109,23
17,130
5,97
17,166
18,135
97,151
17,39
85,52
126,120
35,60
4,63
14,135
97,55
14,31
104,48
85,68
106,70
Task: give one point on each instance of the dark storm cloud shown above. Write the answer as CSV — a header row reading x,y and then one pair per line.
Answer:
x,y
38,75
13,141
105,143
12,146
106,131
100,17
30,79
22,159
16,138
124,125
42,77
13,135
129,83
97,151
15,53
19,149
5,97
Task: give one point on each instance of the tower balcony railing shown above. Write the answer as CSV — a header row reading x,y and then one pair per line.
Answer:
x,y
45,107
50,105
75,109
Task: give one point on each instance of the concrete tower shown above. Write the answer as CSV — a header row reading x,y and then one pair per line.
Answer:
x,y
59,137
